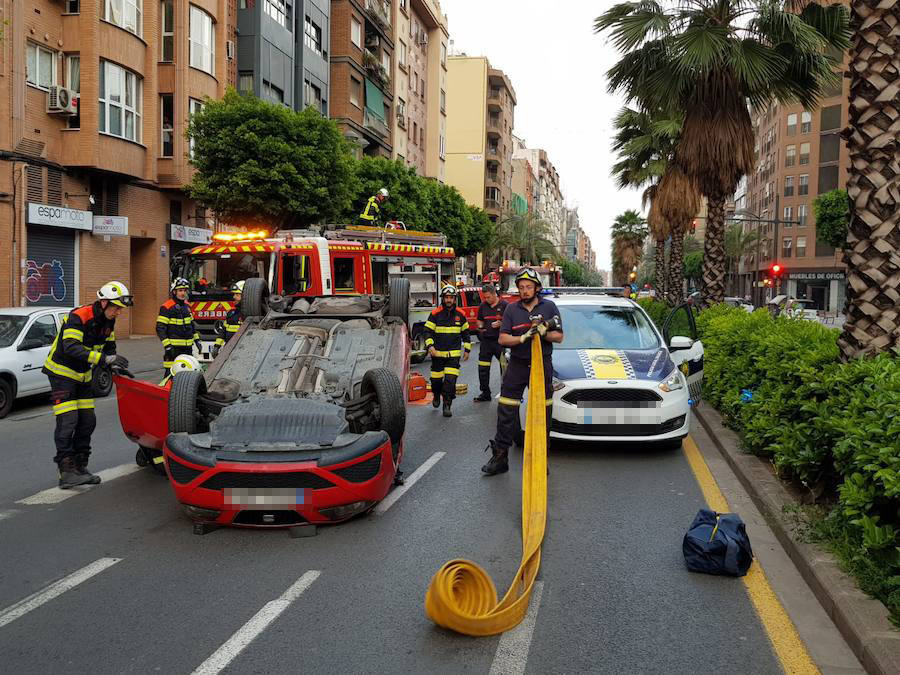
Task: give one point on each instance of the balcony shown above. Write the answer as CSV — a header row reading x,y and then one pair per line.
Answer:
x,y
491,205
494,100
493,127
375,125
493,152
380,11
375,70
492,177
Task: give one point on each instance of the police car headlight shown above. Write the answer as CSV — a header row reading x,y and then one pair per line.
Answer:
x,y
672,382
557,384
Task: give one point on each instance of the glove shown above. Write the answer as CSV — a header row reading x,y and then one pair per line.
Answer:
x,y
214,352
541,329
116,361
524,337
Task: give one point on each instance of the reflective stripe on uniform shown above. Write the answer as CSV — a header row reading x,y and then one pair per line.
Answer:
x,y
444,355
64,407
445,329
94,358
163,319
63,371
549,401
73,334
508,401
428,342
232,327
167,364
429,325
437,374
484,363
451,371
85,403
112,337
467,346
179,342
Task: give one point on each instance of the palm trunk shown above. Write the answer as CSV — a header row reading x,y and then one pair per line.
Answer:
x,y
675,285
713,288
659,262
872,254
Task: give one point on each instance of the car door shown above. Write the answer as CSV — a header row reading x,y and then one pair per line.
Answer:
x,y
32,350
686,354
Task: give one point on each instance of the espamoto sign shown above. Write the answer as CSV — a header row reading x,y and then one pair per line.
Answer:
x,y
59,216
111,225
193,235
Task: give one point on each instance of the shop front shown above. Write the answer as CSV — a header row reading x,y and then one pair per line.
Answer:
x,y
184,238
50,270
825,287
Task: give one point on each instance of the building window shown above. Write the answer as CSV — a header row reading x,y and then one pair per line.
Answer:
x,y
788,186
386,61
203,49
312,95
788,216
402,54
120,102
415,83
786,247
804,153
443,101
805,122
829,148
790,155
828,178
403,5
801,220
167,122
830,118
442,147
415,134
245,82
279,12
124,14
272,93
355,91
175,212
167,43
73,82
356,32
443,54
72,7
40,66
194,106
422,137
313,36
801,247
803,187
792,124
401,111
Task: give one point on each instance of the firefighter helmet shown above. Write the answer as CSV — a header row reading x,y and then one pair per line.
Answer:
x,y
448,289
117,293
528,274
383,193
179,282
237,287
183,364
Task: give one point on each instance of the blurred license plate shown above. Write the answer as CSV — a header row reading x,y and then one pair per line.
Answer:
x,y
619,416
264,498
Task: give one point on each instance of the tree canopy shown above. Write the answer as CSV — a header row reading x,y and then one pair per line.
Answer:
x,y
832,210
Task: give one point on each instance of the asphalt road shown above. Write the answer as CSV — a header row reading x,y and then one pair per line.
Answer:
x,y
614,594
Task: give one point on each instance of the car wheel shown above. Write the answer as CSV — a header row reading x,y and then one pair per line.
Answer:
x,y
255,298
398,299
418,341
6,397
390,402
184,416
102,382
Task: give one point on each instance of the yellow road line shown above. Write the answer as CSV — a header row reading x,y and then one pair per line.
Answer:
x,y
782,634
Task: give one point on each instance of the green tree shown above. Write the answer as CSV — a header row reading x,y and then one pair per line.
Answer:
x,y
524,237
572,273
628,233
482,233
265,164
832,211
738,243
709,58
693,267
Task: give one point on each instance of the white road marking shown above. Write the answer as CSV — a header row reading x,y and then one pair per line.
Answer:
x,y
256,625
7,513
512,652
56,495
394,495
54,590
49,410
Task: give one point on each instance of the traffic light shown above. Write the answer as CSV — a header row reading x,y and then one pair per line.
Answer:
x,y
776,270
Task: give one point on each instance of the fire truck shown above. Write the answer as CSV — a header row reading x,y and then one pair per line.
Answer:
x,y
340,260
549,272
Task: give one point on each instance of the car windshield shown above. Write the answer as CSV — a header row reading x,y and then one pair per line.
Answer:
x,y
10,327
215,273
593,327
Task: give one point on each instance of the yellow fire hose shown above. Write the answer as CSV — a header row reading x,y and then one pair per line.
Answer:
x,y
462,596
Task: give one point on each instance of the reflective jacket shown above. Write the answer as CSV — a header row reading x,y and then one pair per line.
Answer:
x,y
446,330
372,211
85,337
233,321
175,324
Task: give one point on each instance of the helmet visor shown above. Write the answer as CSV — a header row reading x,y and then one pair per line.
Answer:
x,y
123,301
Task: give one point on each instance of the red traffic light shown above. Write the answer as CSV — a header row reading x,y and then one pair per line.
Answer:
x,y
776,270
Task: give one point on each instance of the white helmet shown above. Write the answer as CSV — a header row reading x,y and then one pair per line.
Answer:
x,y
117,293
237,287
384,193
183,364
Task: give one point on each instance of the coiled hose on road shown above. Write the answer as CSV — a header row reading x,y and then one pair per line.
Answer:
x,y
462,596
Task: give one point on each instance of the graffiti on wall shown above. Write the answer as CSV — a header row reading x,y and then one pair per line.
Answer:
x,y
44,280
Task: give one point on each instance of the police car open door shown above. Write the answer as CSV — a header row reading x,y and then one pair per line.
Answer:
x,y
685,347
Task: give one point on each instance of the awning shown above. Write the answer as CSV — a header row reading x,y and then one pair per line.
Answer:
x,y
374,99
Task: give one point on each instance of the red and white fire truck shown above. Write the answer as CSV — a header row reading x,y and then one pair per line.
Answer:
x,y
345,260
549,272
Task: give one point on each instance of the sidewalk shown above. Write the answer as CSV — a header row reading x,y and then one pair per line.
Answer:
x,y
143,352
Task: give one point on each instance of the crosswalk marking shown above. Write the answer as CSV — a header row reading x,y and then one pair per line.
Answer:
x,y
256,625
56,495
394,495
54,590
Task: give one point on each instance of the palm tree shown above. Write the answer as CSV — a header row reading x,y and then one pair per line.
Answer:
x,y
738,243
709,58
524,237
628,233
872,254
679,201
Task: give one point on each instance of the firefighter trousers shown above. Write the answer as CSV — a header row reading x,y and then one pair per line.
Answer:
x,y
512,389
489,348
444,371
171,353
73,407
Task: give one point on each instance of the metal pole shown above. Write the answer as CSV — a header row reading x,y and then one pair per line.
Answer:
x,y
756,270
777,220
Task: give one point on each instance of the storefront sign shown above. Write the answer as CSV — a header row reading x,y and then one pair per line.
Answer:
x,y
816,276
192,235
59,216
111,225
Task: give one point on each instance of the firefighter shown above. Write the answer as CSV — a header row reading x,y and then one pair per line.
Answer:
x,y
175,324
233,319
445,332
521,321
490,313
371,215
87,339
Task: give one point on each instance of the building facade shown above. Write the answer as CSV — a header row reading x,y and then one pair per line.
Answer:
x,y
548,202
481,105
420,86
524,181
362,57
94,102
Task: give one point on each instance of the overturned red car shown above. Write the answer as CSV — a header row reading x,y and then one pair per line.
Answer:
x,y
299,420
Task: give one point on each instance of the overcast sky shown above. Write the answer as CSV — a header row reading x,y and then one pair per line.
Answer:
x,y
557,66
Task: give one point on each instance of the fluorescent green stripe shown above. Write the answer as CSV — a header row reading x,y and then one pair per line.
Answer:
x,y
94,358
67,406
73,334
85,403
484,363
437,374
163,319
451,371
430,325
508,401
447,329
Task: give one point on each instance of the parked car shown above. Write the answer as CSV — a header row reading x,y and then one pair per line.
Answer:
x,y
617,378
299,419
26,335
793,307
739,302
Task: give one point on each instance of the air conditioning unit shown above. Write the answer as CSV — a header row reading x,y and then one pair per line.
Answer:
x,y
62,101
372,40
423,38
229,49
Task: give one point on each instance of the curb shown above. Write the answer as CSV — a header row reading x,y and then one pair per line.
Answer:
x,y
862,620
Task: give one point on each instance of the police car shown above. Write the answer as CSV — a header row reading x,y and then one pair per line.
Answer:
x,y
617,378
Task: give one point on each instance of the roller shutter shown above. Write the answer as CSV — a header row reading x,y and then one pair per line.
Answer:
x,y
50,266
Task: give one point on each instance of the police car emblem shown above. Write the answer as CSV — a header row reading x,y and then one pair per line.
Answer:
x,y
604,359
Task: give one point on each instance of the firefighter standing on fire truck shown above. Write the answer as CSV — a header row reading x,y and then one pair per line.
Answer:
x,y
490,313
372,213
233,319
446,332
175,324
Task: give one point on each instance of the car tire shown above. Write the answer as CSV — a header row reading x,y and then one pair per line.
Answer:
x,y
418,345
6,397
391,402
398,299
184,415
102,382
255,298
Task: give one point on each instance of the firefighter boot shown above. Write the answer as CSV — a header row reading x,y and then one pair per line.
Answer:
x,y
498,462
81,462
68,474
447,403
436,401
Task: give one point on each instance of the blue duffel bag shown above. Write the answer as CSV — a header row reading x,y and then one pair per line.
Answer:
x,y
717,543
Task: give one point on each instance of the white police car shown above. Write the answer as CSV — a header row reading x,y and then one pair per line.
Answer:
x,y
617,378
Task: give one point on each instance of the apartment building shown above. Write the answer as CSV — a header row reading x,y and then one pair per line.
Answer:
x,y
420,86
524,182
362,58
481,105
282,51
94,101
548,202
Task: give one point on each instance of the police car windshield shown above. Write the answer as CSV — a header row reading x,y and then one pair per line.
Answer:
x,y
10,327
593,327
